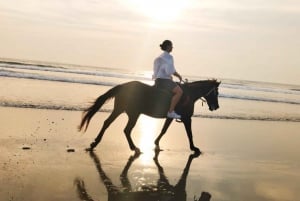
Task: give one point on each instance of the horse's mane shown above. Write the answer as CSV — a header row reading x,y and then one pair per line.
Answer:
x,y
201,82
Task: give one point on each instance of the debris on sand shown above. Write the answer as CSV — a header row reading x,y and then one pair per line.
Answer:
x,y
70,150
26,148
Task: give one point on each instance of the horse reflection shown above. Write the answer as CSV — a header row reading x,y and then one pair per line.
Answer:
x,y
162,191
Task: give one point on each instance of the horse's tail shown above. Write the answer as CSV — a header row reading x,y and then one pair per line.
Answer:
x,y
89,112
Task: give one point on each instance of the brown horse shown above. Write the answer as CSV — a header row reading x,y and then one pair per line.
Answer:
x,y
135,98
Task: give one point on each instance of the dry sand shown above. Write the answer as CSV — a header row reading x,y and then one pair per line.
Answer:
x,y
241,160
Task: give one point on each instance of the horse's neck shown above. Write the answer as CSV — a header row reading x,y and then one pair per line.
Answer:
x,y
197,92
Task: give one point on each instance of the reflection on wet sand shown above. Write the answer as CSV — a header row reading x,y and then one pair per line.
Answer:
x,y
162,191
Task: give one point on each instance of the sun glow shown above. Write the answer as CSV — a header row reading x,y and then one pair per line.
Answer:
x,y
148,127
159,10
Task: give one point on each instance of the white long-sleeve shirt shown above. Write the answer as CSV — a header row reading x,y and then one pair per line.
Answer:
x,y
164,66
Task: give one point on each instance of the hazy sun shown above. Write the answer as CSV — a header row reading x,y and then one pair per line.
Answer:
x,y
159,10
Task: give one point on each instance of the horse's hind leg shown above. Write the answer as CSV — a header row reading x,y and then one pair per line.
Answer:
x,y
163,131
131,123
106,124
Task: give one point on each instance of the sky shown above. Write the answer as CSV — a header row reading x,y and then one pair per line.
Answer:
x,y
255,40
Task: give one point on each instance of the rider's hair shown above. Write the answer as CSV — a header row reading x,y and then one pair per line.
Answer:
x,y
165,44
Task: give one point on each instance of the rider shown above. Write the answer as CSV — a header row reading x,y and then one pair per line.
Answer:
x,y
163,71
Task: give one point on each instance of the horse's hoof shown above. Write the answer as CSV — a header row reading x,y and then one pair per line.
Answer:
x,y
89,149
196,151
157,148
93,145
137,151
136,155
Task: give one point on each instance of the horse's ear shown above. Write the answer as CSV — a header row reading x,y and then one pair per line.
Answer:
x,y
218,83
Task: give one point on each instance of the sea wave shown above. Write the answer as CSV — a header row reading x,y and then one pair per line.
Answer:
x,y
72,71
250,117
7,73
29,71
260,99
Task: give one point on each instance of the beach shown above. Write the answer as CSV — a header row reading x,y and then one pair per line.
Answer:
x,y
65,65
241,159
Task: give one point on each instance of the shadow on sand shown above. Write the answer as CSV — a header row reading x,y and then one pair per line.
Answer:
x,y
162,191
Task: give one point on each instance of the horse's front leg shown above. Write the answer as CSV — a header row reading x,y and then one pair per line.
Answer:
x,y
163,131
188,127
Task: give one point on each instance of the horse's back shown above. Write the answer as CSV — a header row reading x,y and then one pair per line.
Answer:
x,y
136,88
142,98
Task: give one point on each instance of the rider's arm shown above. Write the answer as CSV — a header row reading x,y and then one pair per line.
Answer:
x,y
177,75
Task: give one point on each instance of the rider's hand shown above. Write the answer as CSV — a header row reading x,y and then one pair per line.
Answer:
x,y
180,78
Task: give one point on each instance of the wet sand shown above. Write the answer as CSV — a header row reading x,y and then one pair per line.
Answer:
x,y
241,160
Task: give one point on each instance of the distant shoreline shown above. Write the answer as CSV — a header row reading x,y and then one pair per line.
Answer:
x,y
11,61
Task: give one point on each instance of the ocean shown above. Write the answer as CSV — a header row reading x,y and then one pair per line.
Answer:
x,y
36,85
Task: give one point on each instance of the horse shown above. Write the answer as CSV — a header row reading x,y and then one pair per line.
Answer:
x,y
135,98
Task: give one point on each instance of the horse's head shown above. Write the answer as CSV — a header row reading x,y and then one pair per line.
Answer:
x,y
211,96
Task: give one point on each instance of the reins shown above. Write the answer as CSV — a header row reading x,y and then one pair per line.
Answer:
x,y
202,99
210,91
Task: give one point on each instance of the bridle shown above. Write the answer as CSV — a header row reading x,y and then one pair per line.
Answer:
x,y
213,89
209,92
202,98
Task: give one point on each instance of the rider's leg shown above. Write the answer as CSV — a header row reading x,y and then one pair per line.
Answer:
x,y
177,91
